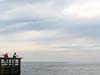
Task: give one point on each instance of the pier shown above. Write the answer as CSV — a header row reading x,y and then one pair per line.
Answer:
x,y
10,66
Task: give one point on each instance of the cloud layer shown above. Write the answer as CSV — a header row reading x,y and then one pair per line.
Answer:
x,y
55,30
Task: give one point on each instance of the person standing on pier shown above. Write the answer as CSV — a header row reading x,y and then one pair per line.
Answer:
x,y
14,56
5,56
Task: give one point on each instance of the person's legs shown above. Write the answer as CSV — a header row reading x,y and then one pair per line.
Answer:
x,y
5,61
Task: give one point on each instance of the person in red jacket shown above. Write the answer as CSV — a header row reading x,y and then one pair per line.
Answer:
x,y
5,56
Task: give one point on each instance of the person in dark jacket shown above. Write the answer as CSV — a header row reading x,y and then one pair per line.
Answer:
x,y
14,55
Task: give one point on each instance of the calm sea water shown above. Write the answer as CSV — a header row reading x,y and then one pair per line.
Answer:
x,y
60,68
44,68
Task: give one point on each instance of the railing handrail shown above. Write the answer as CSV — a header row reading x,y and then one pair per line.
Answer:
x,y
9,58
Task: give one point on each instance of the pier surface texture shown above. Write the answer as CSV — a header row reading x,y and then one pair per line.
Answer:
x,y
10,66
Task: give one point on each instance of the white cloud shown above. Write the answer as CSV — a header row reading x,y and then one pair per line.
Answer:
x,y
20,46
28,41
83,9
83,43
35,35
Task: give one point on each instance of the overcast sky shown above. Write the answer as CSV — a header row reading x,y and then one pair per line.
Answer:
x,y
51,30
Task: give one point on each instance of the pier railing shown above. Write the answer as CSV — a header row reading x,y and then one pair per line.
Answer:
x,y
10,66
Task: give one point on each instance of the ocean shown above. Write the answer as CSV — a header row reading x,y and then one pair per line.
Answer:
x,y
44,68
60,68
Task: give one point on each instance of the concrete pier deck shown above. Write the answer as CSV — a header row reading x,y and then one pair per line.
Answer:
x,y
10,66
